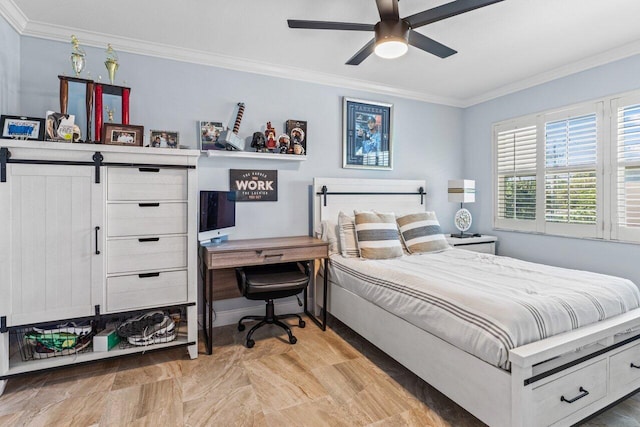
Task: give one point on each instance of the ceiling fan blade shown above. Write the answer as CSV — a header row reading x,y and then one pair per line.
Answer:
x,y
429,45
446,11
388,9
362,54
326,25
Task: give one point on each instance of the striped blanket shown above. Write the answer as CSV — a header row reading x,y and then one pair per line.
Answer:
x,y
485,304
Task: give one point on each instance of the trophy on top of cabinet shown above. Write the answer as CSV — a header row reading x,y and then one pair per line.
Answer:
x,y
77,56
111,63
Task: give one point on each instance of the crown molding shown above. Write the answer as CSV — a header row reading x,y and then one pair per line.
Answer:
x,y
13,15
607,57
143,47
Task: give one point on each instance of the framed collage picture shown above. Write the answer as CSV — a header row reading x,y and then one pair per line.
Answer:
x,y
366,140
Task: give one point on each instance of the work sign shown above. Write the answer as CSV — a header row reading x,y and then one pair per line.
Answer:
x,y
254,185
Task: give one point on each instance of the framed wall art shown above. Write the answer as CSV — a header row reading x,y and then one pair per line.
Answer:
x,y
119,134
366,140
19,127
209,133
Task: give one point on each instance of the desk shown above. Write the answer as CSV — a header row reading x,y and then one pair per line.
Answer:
x,y
244,253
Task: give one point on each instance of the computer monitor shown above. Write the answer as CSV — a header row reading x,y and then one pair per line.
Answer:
x,y
217,217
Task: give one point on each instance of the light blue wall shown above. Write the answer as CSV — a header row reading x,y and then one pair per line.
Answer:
x,y
9,69
605,257
174,95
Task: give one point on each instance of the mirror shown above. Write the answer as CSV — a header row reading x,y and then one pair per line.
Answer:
x,y
76,97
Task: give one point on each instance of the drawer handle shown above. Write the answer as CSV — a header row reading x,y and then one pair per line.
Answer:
x,y
148,205
145,275
149,169
149,239
634,366
273,255
582,394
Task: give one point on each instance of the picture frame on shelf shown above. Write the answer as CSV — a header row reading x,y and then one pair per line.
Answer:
x,y
209,132
367,131
164,139
298,136
119,134
22,127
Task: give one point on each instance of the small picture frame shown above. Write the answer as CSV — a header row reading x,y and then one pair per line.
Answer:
x,y
209,133
20,127
164,139
367,130
119,134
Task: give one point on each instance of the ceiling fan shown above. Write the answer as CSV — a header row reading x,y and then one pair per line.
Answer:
x,y
393,35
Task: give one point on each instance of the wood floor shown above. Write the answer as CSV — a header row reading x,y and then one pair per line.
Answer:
x,y
332,378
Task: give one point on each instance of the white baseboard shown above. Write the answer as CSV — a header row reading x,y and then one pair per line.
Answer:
x,y
229,317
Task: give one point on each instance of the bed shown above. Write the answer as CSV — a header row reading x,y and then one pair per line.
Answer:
x,y
542,377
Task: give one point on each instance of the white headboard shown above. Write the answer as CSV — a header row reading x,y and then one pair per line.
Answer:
x,y
384,195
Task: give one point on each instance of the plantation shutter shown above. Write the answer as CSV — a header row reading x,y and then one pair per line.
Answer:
x,y
516,176
570,175
627,173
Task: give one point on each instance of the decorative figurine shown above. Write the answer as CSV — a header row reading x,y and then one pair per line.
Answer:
x,y
111,63
77,56
257,142
283,143
270,136
110,113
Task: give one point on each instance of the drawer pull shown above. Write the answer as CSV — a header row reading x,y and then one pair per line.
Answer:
x,y
582,394
149,169
634,366
148,205
145,275
149,239
273,255
98,251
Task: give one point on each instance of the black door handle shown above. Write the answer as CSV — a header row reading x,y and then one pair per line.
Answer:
x,y
97,229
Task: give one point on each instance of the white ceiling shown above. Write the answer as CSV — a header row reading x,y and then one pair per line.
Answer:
x,y
501,48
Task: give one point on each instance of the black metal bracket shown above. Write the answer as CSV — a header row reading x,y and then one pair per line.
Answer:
x,y
5,155
324,192
97,309
97,161
3,324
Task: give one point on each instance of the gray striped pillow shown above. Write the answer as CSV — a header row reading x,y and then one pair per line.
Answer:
x,y
421,232
377,235
347,236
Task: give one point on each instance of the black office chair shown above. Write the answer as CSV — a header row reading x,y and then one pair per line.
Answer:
x,y
269,282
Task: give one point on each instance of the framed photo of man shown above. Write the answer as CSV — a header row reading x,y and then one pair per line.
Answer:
x,y
366,140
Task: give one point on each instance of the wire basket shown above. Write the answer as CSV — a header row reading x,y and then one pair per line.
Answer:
x,y
150,328
47,341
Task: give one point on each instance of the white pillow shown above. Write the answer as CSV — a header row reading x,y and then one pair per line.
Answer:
x,y
347,236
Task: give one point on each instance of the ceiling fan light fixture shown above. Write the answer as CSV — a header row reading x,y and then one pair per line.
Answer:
x,y
392,39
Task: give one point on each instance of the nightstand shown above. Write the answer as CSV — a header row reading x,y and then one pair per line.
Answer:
x,y
484,244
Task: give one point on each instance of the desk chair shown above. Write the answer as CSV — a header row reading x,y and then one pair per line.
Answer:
x,y
269,282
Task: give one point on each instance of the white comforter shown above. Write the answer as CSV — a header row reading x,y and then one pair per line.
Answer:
x,y
485,304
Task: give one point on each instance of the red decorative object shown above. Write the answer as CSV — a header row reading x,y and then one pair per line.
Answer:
x,y
107,89
270,136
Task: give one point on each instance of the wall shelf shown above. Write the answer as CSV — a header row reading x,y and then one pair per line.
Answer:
x,y
254,155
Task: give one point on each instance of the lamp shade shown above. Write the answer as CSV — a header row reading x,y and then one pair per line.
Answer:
x,y
462,190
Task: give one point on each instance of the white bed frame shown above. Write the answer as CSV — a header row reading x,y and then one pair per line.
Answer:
x,y
541,373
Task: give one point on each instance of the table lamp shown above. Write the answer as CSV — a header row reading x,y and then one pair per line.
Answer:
x,y
462,191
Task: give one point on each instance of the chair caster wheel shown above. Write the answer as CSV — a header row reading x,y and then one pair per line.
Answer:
x,y
241,327
302,324
293,340
250,343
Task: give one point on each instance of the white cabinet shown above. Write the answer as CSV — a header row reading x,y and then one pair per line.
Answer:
x,y
52,218
483,244
92,231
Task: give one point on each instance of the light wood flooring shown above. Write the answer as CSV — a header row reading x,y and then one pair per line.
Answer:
x,y
332,378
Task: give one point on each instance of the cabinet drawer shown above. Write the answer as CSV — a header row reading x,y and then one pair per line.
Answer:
x,y
146,184
144,219
146,253
485,248
621,372
146,290
550,408
266,256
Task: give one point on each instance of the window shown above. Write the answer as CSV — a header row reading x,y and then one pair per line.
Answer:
x,y
573,172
